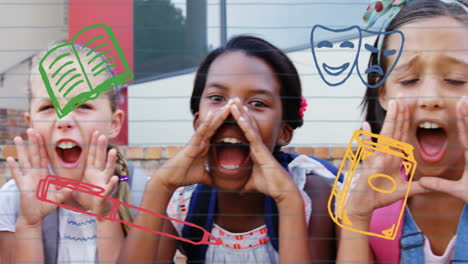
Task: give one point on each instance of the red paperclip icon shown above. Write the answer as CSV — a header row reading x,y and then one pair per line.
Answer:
x,y
79,186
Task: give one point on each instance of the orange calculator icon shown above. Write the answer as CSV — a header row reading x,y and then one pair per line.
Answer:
x,y
358,150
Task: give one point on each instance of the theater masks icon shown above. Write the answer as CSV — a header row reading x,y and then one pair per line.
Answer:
x,y
334,70
388,55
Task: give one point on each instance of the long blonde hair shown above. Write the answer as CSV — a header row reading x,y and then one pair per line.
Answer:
x,y
121,168
123,190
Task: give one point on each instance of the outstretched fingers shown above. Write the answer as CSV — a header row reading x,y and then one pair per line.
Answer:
x,y
415,188
101,152
441,185
33,149
110,185
62,194
199,135
218,119
462,116
247,124
32,160
44,161
207,127
405,123
14,169
23,157
396,124
366,137
260,153
92,150
388,128
110,164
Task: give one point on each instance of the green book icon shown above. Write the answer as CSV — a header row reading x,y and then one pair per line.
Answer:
x,y
76,71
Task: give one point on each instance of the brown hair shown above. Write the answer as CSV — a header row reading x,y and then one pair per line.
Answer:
x,y
413,11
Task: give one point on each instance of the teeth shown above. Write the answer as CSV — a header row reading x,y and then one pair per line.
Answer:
x,y
231,140
66,145
230,167
429,125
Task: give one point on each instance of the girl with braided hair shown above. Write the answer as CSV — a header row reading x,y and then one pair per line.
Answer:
x,y
75,147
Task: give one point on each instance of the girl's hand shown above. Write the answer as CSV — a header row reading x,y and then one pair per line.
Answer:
x,y
32,168
188,165
268,176
98,172
363,200
458,188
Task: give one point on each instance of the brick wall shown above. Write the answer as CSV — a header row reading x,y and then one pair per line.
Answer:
x,y
152,157
12,124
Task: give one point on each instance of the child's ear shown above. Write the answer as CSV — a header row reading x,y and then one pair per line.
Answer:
x,y
27,117
195,121
383,100
286,134
117,121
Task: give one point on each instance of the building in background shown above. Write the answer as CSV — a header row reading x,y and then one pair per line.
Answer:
x,y
164,41
168,46
25,28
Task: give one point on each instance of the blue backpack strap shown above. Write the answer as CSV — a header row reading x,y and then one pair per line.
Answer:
x,y
411,242
461,244
202,209
201,212
50,237
271,211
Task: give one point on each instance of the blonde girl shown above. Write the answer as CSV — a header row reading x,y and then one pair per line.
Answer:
x,y
74,147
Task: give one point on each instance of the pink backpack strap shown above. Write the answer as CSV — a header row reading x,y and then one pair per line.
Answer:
x,y
387,250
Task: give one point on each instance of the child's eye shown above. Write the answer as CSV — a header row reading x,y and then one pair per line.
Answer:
x,y
455,82
216,98
84,106
46,107
409,82
257,103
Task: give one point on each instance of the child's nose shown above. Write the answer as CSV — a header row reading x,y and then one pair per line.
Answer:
x,y
431,102
65,123
430,97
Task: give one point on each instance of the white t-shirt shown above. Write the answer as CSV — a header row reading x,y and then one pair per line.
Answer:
x,y
448,255
253,246
77,232
78,238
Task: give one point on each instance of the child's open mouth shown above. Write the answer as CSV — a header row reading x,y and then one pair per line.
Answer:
x,y
432,139
69,152
231,153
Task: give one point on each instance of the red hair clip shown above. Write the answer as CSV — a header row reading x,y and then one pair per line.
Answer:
x,y
303,107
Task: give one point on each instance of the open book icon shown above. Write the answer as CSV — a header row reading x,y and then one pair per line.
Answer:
x,y
77,71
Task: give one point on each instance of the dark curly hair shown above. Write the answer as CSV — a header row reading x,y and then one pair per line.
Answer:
x,y
290,84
